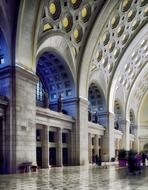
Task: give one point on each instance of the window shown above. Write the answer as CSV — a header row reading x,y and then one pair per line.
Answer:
x,y
92,140
64,137
68,93
53,96
39,92
2,61
51,136
67,84
38,135
59,86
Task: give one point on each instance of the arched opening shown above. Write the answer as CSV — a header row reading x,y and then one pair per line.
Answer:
x,y
97,106
118,115
40,94
132,123
57,81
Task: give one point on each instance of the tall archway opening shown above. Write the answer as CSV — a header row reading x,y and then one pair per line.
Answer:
x,y
97,105
57,80
118,115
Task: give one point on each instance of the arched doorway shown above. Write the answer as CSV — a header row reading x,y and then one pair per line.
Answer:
x,y
133,127
118,115
97,106
96,110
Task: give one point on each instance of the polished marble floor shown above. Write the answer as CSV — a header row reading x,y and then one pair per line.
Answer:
x,y
76,178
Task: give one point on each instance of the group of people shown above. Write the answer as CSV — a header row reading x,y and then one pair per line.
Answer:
x,y
135,161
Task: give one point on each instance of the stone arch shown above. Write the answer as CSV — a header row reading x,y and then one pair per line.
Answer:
x,y
133,126
57,44
57,79
113,40
95,87
132,116
29,16
125,75
87,59
118,109
142,112
97,103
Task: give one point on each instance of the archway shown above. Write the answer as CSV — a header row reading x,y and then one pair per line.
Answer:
x,y
57,80
118,111
97,105
132,122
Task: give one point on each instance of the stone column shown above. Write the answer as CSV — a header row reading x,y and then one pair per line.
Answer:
x,y
45,147
109,139
80,134
25,127
59,148
96,145
89,148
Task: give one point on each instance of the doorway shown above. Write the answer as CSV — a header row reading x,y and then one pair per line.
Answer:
x,y
65,156
52,156
39,156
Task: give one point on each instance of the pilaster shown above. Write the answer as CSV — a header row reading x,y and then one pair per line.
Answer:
x,y
89,148
59,148
81,133
109,139
96,145
25,130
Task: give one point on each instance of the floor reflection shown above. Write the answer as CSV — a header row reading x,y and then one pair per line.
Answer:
x,y
75,178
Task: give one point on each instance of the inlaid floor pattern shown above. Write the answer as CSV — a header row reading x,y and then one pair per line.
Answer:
x,y
76,178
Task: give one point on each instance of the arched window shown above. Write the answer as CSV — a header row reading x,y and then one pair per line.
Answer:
x,y
58,81
132,123
118,115
40,94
